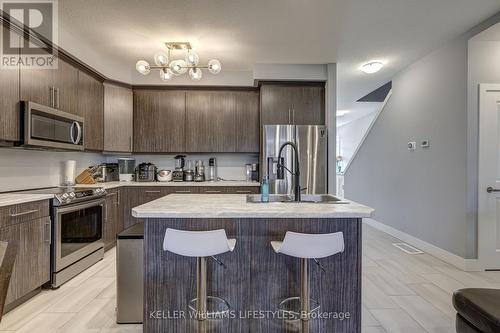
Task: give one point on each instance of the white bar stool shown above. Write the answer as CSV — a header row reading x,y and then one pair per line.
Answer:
x,y
306,246
201,244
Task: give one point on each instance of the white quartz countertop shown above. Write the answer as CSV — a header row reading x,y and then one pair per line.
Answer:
x,y
235,206
7,199
110,185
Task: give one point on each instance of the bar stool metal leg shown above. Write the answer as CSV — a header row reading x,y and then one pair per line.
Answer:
x,y
204,306
303,306
201,288
304,290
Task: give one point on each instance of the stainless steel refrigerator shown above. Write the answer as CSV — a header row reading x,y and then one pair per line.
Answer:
x,y
311,142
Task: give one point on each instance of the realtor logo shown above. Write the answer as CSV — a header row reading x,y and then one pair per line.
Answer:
x,y
32,23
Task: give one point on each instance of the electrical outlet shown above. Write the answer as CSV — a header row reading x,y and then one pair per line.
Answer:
x,y
412,145
425,144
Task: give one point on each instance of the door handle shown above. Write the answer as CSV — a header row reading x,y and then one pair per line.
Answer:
x,y
48,230
57,98
52,97
491,190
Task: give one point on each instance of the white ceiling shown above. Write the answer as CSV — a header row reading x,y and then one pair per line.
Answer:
x,y
243,33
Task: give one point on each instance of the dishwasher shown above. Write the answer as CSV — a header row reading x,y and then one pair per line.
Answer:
x,y
129,275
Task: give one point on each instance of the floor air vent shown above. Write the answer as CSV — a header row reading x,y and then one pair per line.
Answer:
x,y
407,248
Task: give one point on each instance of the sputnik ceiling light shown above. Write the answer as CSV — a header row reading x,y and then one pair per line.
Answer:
x,y
177,67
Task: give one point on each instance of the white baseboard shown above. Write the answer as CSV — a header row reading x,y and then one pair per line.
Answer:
x,y
471,265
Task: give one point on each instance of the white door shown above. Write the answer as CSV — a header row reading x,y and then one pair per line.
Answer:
x,y
489,176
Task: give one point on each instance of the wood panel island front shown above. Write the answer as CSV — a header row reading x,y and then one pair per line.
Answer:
x,y
254,278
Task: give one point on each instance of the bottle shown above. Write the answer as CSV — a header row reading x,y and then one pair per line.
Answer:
x,y
264,190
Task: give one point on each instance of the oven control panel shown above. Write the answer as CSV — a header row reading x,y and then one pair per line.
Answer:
x,y
74,195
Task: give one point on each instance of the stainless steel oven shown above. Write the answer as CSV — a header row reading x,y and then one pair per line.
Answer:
x,y
51,128
77,238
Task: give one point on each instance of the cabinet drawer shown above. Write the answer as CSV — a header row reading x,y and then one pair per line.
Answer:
x,y
15,214
244,190
183,190
213,190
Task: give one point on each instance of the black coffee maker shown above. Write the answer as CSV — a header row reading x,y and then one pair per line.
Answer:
x,y
178,174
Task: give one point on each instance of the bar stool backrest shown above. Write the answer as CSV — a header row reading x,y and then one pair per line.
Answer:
x,y
312,245
196,243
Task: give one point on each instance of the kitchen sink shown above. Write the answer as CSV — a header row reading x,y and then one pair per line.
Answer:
x,y
305,198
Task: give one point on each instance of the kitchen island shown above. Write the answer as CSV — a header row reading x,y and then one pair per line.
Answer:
x,y
255,279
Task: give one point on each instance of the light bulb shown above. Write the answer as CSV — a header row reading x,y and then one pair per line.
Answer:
x,y
161,59
178,67
214,66
192,58
372,67
142,67
195,74
166,74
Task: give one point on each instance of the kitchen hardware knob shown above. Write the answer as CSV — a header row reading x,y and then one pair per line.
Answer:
x,y
491,190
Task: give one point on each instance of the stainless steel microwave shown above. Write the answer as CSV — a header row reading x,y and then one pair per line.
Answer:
x,y
47,127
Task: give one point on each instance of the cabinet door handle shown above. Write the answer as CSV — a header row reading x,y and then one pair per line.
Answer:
x,y
130,143
52,96
293,116
242,191
152,191
118,198
212,191
24,213
57,98
48,230
289,117
182,192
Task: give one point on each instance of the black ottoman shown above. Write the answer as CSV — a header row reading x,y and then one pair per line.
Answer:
x,y
478,310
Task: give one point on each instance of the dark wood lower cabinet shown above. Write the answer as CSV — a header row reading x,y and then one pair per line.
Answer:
x,y
134,196
32,239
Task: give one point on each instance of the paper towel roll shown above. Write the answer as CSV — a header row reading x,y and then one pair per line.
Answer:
x,y
69,172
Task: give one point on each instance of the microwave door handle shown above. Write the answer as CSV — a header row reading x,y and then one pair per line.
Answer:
x,y
79,128
71,130
79,131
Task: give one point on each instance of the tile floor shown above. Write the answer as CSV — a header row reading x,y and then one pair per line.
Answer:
x,y
401,293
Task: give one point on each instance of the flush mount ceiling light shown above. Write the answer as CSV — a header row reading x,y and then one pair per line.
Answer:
x,y
177,67
341,113
372,67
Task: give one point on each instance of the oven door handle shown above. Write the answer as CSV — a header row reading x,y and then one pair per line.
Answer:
x,y
83,205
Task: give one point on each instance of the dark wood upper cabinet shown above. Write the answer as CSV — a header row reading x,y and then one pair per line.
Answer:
x,y
292,104
118,118
247,121
159,118
275,107
91,108
37,85
10,112
57,88
66,87
210,121
308,105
